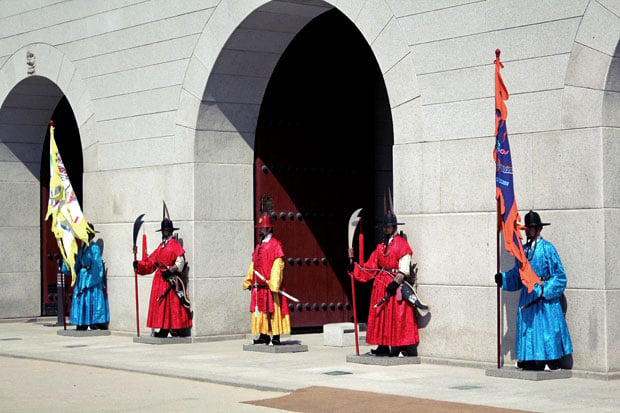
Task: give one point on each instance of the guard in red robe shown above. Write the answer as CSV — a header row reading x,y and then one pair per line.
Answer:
x,y
270,312
392,325
166,311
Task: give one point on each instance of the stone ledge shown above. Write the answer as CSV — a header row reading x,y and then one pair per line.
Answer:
x,y
83,333
211,339
534,375
382,361
162,340
282,348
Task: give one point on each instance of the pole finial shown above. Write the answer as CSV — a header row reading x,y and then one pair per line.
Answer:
x,y
497,53
51,122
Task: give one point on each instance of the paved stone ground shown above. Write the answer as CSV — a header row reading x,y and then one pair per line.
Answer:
x,y
36,363
42,386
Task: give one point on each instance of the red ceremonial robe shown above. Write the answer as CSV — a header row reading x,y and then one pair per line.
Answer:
x,y
167,313
393,323
270,309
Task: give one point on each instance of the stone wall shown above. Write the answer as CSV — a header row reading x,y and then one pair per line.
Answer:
x,y
167,95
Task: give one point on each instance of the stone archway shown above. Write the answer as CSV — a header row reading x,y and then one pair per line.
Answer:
x,y
591,80
34,80
323,150
590,107
221,96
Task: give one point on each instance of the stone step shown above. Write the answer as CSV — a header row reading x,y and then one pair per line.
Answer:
x,y
342,334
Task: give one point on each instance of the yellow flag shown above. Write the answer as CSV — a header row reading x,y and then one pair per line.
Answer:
x,y
68,222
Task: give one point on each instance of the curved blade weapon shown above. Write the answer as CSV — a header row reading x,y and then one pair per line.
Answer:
x,y
354,220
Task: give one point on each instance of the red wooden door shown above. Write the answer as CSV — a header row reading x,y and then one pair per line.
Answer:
x,y
49,252
310,195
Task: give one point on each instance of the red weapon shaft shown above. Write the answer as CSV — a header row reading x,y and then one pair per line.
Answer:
x,y
135,274
361,261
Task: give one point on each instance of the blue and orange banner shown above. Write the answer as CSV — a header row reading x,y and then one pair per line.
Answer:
x,y
508,215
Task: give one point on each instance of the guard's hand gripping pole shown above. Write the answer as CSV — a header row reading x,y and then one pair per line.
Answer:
x,y
409,291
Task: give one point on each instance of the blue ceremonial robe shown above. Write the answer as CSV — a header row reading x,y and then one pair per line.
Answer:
x,y
542,332
89,304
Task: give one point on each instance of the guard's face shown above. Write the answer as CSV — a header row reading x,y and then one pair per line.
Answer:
x,y
262,232
166,233
389,231
532,232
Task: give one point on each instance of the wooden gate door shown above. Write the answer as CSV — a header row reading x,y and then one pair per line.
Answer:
x,y
49,252
310,193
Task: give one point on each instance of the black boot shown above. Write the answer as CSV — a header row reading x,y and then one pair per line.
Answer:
x,y
276,340
262,339
162,333
181,332
535,365
399,351
380,351
553,364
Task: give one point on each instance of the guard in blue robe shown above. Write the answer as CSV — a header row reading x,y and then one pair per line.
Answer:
x,y
89,305
542,333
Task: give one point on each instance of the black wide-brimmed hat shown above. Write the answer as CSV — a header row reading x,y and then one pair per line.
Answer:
x,y
166,224
390,220
532,219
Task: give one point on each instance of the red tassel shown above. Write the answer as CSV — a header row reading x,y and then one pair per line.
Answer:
x,y
144,254
361,241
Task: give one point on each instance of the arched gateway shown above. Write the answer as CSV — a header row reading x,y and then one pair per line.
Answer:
x,y
24,131
317,156
307,106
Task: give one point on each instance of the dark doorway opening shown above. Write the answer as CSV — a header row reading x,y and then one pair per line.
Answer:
x,y
67,136
324,122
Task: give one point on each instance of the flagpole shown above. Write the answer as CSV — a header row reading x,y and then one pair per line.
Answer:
x,y
498,292
64,300
498,304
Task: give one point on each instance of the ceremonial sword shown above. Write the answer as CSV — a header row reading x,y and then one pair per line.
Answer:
x,y
290,297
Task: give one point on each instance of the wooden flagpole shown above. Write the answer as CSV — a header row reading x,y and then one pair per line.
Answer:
x,y
361,262
499,343
498,292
